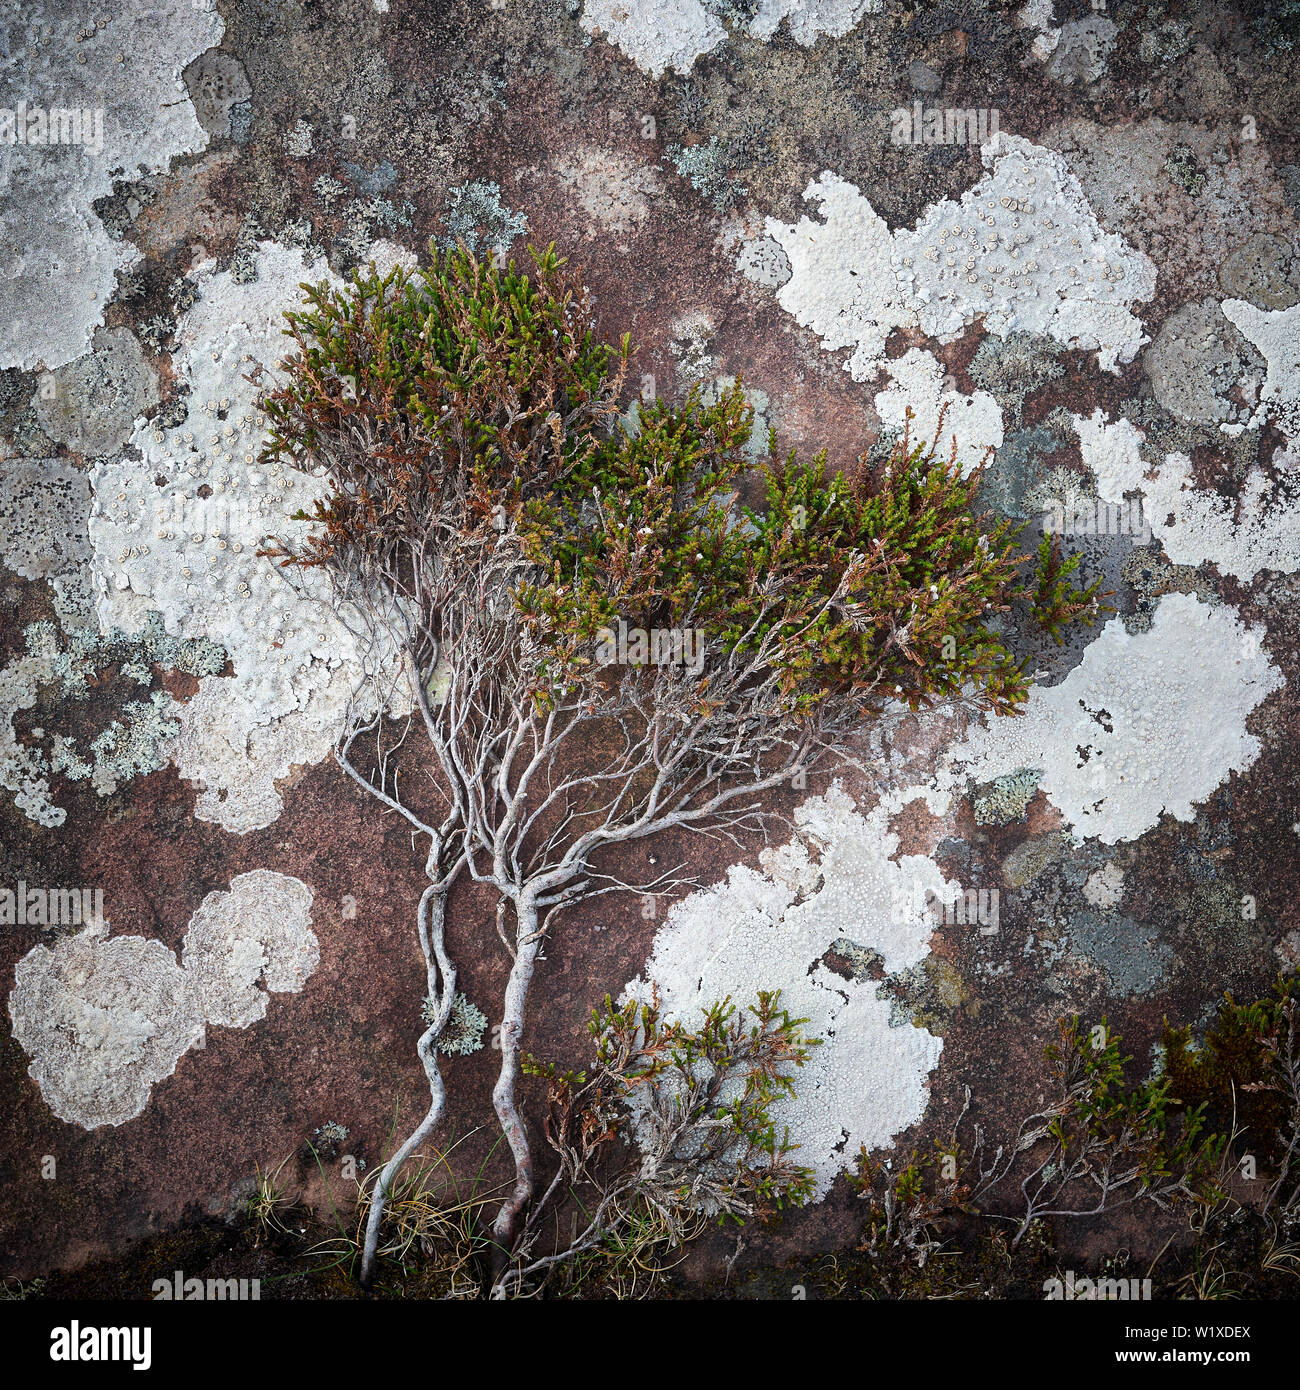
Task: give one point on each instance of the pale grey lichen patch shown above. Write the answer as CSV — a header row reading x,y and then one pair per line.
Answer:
x,y
465,1026
91,404
1202,369
103,1019
299,140
763,261
692,344
44,507
615,195
771,930
1007,798
67,662
1265,270
257,933
326,1139
177,529
1276,333
1022,249
217,84
661,34
61,261
1105,886
1110,738
477,216
1255,530
125,750
1083,48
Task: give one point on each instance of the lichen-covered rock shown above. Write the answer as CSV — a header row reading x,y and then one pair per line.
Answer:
x,y
61,262
178,529
1242,535
91,404
103,1019
1111,739
258,933
770,930
1022,249
1197,360
44,511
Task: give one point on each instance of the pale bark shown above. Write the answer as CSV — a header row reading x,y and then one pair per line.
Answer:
x,y
528,940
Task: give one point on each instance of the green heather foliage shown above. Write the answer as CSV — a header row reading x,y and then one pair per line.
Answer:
x,y
488,391
1055,599
1240,1073
459,381
699,1101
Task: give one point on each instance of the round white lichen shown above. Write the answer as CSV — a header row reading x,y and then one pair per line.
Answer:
x,y
770,930
102,1019
257,933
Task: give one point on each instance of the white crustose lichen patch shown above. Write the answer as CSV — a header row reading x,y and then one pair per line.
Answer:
x,y
179,528
1021,249
1112,739
105,1018
971,424
770,930
661,34
1257,530
125,61
257,933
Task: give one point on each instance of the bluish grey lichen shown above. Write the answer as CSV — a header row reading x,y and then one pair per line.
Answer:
x,y
1014,484
79,656
465,1025
1128,953
1005,799
134,748
477,216
706,168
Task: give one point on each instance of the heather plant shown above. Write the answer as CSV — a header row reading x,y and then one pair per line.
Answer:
x,y
1056,600
1101,1141
699,1102
491,518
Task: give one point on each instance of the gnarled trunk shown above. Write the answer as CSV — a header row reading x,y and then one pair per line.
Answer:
x,y
527,945
440,975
